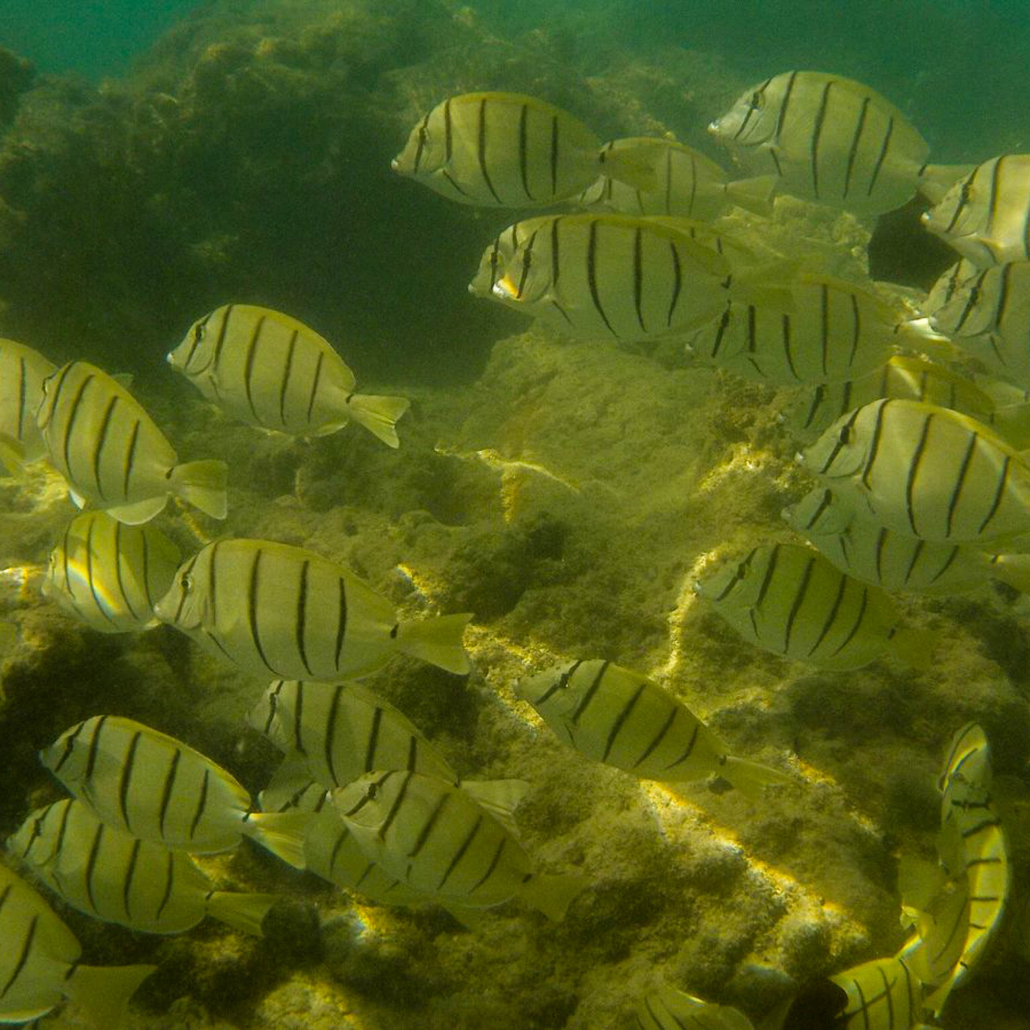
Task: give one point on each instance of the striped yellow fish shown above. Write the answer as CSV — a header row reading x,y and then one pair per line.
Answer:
x,y
22,371
985,215
278,610
156,788
40,967
831,140
622,718
897,562
618,277
959,906
269,370
110,575
689,185
337,732
332,853
814,411
110,875
790,600
883,994
444,844
112,454
837,330
926,471
672,1009
511,150
987,314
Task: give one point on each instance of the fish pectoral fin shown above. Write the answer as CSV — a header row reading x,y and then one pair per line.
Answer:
x,y
132,514
499,797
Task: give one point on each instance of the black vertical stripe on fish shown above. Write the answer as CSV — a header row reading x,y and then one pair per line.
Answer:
x,y
220,342
527,263
69,426
952,555
620,721
785,334
91,864
524,152
130,457
373,740
874,445
770,571
201,803
52,390
427,828
784,104
91,754
956,493
858,622
677,284
1025,234
817,130
913,471
831,616
638,277
668,183
298,719
992,195
412,754
856,329
460,853
125,780
253,590
481,150
395,808
659,736
799,600
144,573
963,198
454,183
881,157
555,262
302,603
315,379
287,370
198,335
90,581
166,792
123,594
21,397
1001,304
824,323
752,329
330,733
588,694
98,446
720,331
169,881
853,148
752,107
554,155
422,137
69,746
887,994
560,683
248,364
491,867
4,895
736,577
685,754
448,133
913,559
23,955
341,622
592,274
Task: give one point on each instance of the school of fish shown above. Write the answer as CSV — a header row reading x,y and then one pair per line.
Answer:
x,y
919,483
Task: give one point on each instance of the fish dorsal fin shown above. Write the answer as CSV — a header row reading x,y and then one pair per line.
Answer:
x,y
499,797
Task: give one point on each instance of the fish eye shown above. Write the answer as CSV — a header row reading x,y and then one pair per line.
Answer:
x,y
423,135
845,434
756,101
186,583
198,331
371,792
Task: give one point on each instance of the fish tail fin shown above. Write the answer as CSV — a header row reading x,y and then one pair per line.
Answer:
x,y
552,895
914,647
936,180
1013,569
633,165
750,777
244,912
754,194
378,414
202,484
282,833
437,640
103,992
